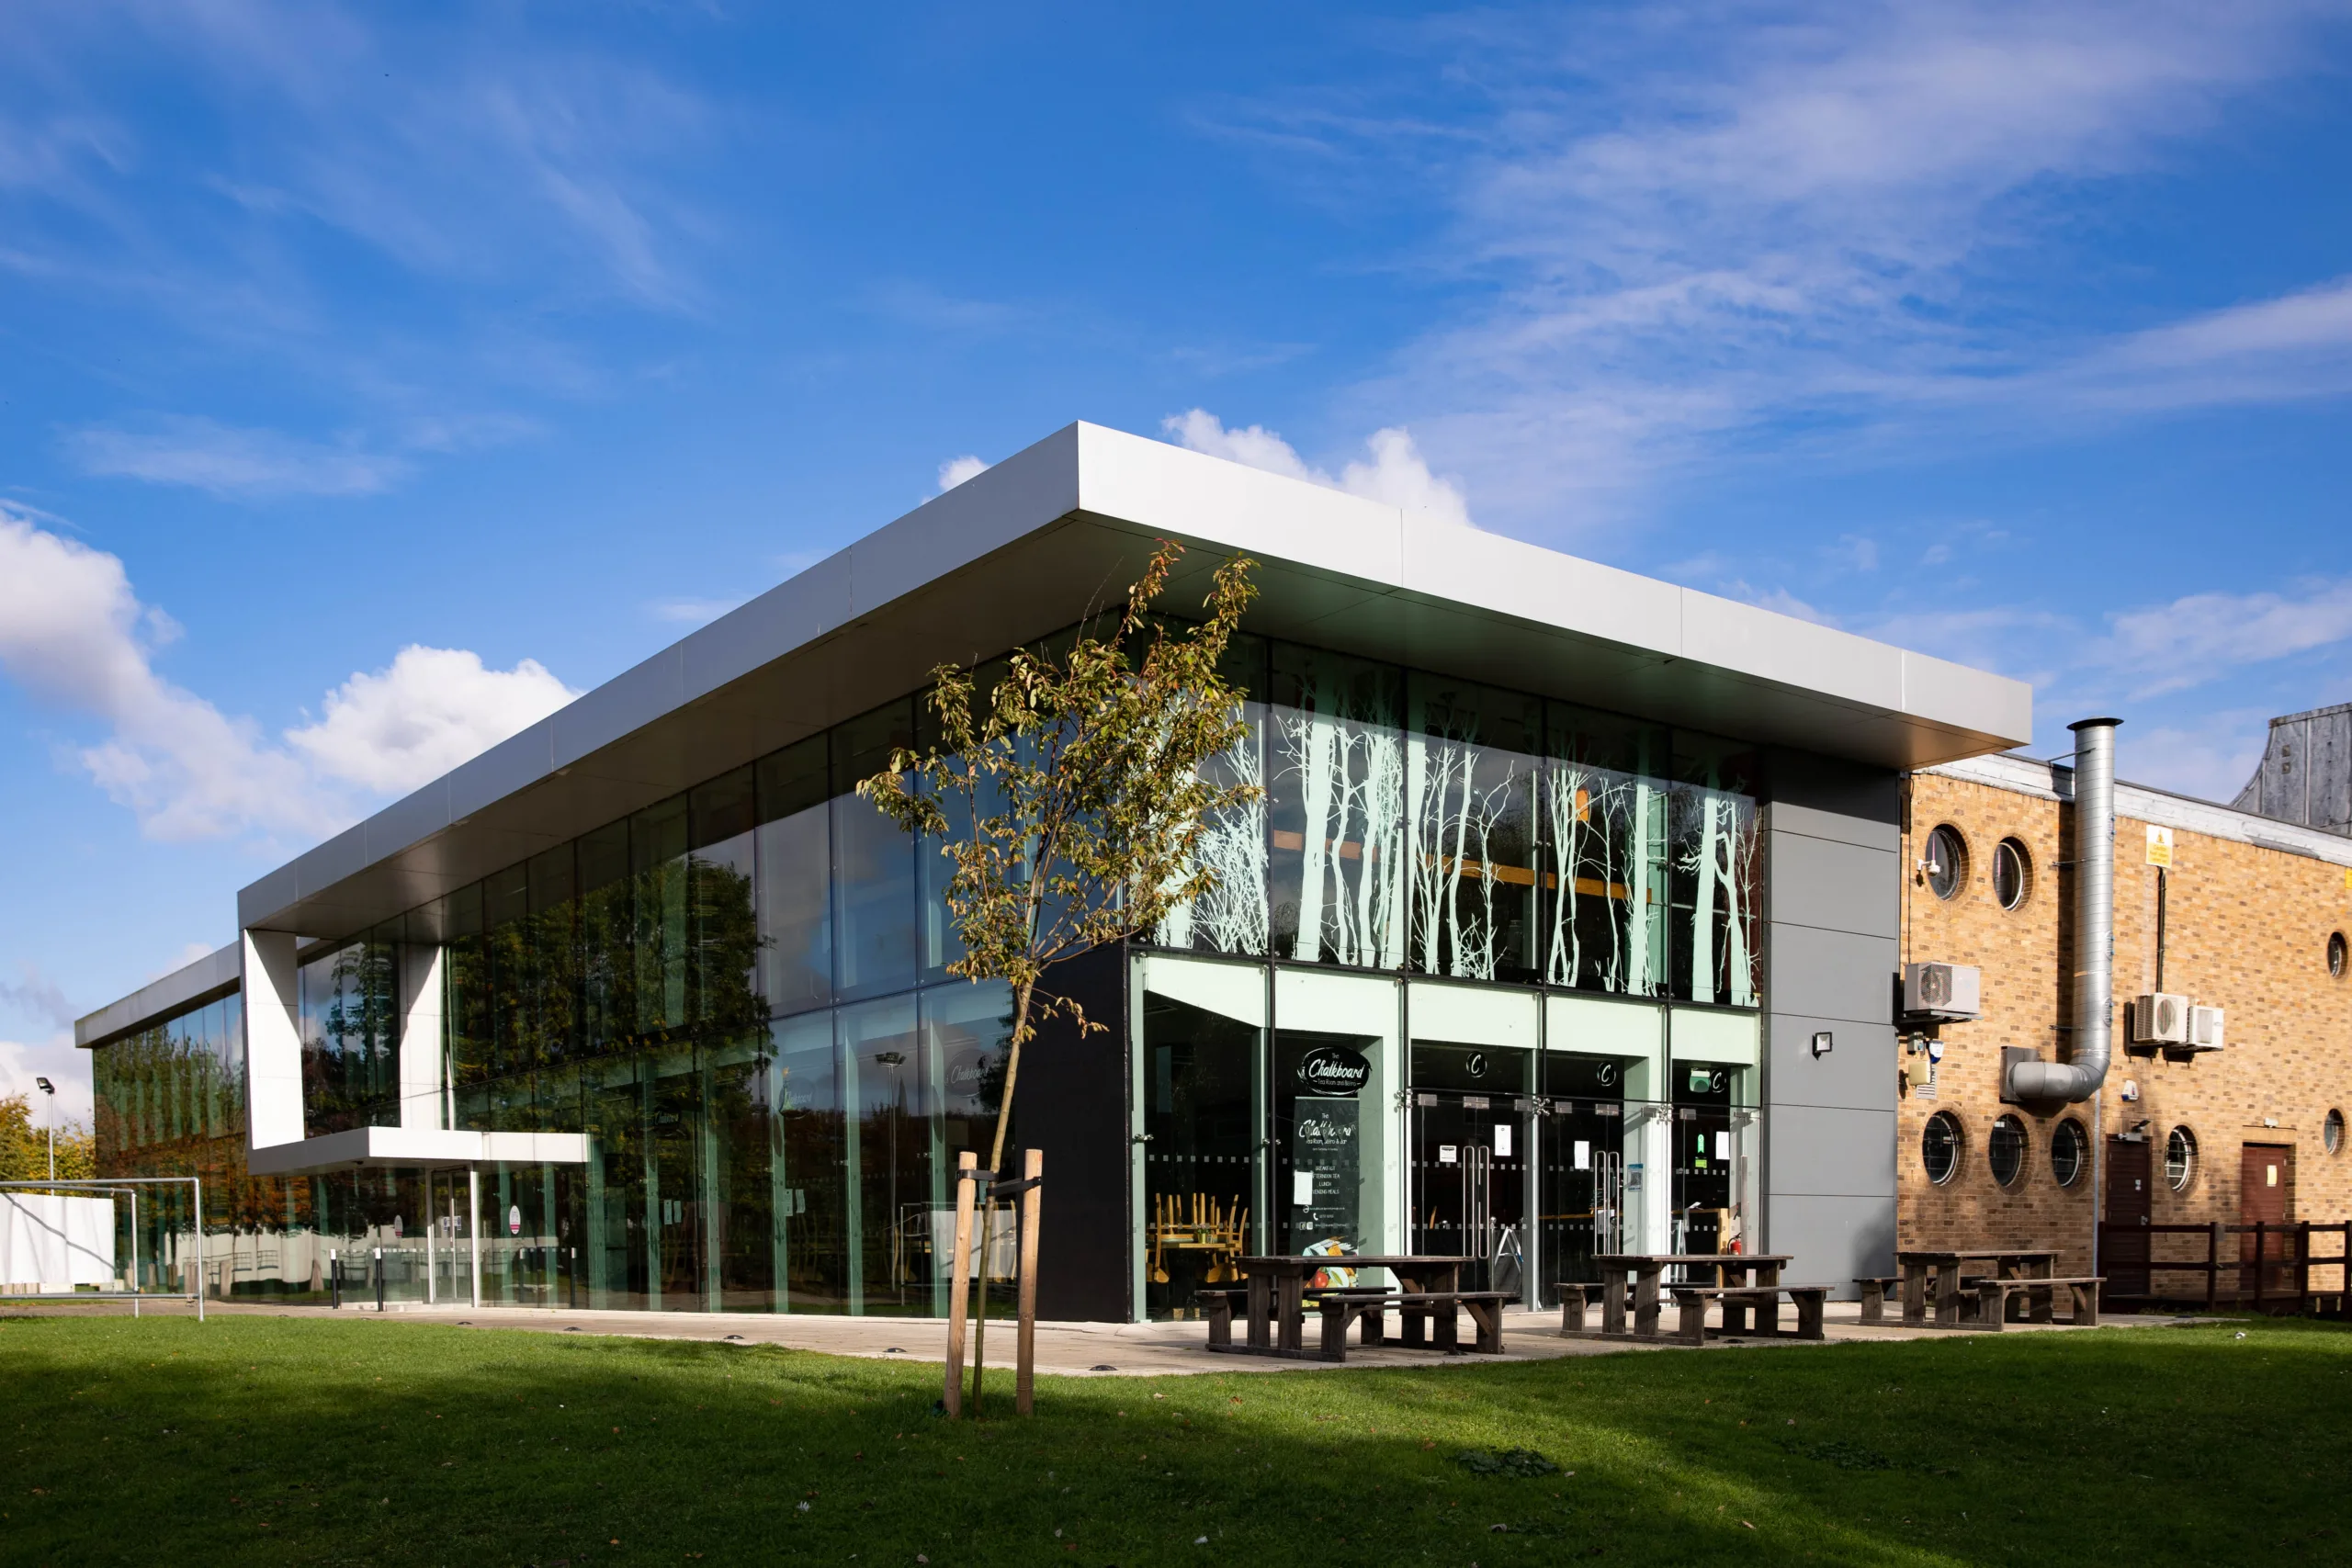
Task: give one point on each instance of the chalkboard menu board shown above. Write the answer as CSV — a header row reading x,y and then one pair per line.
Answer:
x,y
1324,1171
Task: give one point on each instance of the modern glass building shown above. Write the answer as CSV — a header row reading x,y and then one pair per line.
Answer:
x,y
1566,925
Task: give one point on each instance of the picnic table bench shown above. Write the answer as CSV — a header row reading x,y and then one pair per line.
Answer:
x,y
1274,1301
1738,1302
1993,1297
1947,1279
1635,1279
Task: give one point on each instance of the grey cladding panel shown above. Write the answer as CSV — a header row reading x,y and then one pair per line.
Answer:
x,y
1857,1073
1813,1151
1838,886
1835,974
1834,1241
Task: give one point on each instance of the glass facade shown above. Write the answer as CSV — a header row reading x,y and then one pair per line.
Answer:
x,y
1288,1108
739,995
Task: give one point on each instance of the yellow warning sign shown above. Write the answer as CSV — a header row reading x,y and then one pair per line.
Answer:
x,y
2159,845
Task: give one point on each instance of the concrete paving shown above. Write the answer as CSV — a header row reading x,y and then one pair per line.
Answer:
x,y
1077,1349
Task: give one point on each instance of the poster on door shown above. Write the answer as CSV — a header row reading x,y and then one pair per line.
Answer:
x,y
1324,1195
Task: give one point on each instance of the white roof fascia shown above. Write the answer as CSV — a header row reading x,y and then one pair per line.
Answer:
x,y
2053,781
1365,560
216,973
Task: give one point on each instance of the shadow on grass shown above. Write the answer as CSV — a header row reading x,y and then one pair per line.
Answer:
x,y
302,1440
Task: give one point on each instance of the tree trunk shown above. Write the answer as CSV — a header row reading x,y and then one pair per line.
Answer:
x,y
988,1208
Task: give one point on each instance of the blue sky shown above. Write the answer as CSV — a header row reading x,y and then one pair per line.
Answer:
x,y
370,378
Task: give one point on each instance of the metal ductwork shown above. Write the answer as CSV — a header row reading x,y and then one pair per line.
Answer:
x,y
2094,926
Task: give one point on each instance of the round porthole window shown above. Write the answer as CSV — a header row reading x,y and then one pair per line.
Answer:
x,y
2070,1149
1939,1146
2180,1159
1947,863
2335,953
2331,1133
2012,873
2005,1150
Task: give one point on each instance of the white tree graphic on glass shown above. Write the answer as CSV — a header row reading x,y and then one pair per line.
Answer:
x,y
1235,916
1465,804
1605,832
1347,775
1714,858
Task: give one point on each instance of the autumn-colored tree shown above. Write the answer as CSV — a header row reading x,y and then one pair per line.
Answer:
x,y
24,1144
1070,798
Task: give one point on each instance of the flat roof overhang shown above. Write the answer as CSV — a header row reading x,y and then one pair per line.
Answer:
x,y
1061,529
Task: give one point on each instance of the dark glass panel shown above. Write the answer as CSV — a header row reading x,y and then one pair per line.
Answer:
x,y
1200,1112
347,1004
555,953
617,1247
795,878
875,940
1334,779
607,957
724,930
893,1129
816,1186
657,842
740,1126
466,1009
1472,766
506,913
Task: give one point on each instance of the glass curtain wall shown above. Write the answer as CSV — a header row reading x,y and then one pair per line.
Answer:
x,y
1416,822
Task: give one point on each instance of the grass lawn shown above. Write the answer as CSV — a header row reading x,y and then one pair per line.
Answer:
x,y
267,1440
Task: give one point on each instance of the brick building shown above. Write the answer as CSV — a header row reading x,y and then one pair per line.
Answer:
x,y
2251,916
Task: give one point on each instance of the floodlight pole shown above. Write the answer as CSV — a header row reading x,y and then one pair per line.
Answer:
x,y
50,1089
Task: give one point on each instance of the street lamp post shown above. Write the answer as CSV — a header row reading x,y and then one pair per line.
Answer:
x,y
50,1089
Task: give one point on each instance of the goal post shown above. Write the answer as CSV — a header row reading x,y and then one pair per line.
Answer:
x,y
88,1241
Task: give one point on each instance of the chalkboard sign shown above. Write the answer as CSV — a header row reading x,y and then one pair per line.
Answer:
x,y
1325,1191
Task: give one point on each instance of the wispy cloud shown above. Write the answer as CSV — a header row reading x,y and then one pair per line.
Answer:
x,y
246,464
37,997
263,465
690,612
1673,228
2200,637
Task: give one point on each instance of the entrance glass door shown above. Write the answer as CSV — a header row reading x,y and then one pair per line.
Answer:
x,y
1471,1125
1711,1158
1581,1170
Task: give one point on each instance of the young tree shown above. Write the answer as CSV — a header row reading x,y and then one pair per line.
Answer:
x,y
1070,799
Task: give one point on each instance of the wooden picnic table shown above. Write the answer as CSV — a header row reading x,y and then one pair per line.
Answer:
x,y
1946,1266
1647,1268
1278,1287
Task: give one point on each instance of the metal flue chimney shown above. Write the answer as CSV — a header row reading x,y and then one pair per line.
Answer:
x,y
2078,1080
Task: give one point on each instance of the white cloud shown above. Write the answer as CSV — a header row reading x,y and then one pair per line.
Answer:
x,y
955,470
188,953
74,636
2203,636
37,997
1391,472
433,708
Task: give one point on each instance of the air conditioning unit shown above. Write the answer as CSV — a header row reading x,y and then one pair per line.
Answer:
x,y
2205,1028
2160,1018
1948,992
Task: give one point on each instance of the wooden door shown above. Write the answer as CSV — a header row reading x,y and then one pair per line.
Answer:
x,y
2266,1185
2129,1204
